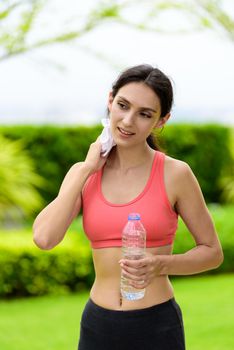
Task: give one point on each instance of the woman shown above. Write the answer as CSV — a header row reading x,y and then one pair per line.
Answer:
x,y
134,177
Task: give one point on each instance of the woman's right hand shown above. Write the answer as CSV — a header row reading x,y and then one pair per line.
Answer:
x,y
94,160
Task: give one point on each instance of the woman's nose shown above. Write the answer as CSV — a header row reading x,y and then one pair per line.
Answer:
x,y
128,119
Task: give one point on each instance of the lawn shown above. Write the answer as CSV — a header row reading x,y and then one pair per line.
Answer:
x,y
52,322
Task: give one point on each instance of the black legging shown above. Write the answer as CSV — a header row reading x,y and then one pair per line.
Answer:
x,y
158,327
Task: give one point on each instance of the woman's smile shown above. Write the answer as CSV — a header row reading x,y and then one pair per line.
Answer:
x,y
125,133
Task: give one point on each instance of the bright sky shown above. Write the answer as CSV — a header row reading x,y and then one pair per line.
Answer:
x,y
200,64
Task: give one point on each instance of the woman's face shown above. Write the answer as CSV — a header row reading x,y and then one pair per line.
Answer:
x,y
134,112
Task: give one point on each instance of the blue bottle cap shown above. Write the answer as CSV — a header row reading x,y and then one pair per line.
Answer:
x,y
134,216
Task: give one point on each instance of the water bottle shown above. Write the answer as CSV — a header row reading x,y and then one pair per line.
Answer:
x,y
133,248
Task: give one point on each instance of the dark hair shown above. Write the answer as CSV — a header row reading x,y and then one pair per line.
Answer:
x,y
156,80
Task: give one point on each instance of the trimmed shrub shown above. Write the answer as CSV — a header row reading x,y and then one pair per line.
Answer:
x,y
207,149
54,150
27,270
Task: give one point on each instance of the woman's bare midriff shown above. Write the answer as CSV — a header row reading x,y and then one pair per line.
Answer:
x,y
105,291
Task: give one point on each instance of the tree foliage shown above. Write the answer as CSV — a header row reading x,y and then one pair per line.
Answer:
x,y
204,14
18,18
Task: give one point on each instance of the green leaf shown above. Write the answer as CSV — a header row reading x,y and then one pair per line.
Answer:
x,y
205,22
19,182
4,14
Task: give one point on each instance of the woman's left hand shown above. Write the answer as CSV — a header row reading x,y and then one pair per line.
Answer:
x,y
142,272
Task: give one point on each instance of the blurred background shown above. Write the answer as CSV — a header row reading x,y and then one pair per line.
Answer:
x,y
58,60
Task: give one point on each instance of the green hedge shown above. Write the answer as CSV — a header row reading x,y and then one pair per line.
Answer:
x,y
54,149
26,270
206,148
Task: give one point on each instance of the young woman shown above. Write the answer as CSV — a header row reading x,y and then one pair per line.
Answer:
x,y
134,177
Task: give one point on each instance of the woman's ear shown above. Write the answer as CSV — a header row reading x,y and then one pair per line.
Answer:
x,y
162,121
110,100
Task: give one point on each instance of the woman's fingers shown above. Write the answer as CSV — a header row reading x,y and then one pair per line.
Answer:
x,y
132,276
134,271
138,272
139,285
94,159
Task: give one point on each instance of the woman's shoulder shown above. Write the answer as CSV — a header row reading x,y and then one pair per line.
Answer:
x,y
176,164
179,178
178,169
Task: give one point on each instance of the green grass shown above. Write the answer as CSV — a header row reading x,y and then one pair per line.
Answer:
x,y
43,323
207,304
52,322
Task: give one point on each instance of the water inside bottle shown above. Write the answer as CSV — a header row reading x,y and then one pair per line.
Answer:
x,y
127,291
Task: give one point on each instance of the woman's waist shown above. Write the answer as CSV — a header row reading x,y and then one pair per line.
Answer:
x,y
106,292
112,280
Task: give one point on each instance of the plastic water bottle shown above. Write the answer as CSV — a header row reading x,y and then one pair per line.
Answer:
x,y
133,248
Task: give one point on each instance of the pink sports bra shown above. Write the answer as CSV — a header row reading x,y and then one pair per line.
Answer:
x,y
103,221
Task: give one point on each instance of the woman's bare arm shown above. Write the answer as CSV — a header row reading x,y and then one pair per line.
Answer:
x,y
192,208
53,221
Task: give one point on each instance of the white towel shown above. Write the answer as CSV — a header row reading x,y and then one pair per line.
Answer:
x,y
106,138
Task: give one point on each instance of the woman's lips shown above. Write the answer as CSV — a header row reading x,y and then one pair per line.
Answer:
x,y
125,132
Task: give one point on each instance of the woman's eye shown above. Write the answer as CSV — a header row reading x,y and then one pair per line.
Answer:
x,y
121,105
146,115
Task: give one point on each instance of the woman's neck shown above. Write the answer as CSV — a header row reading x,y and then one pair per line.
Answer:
x,y
125,159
